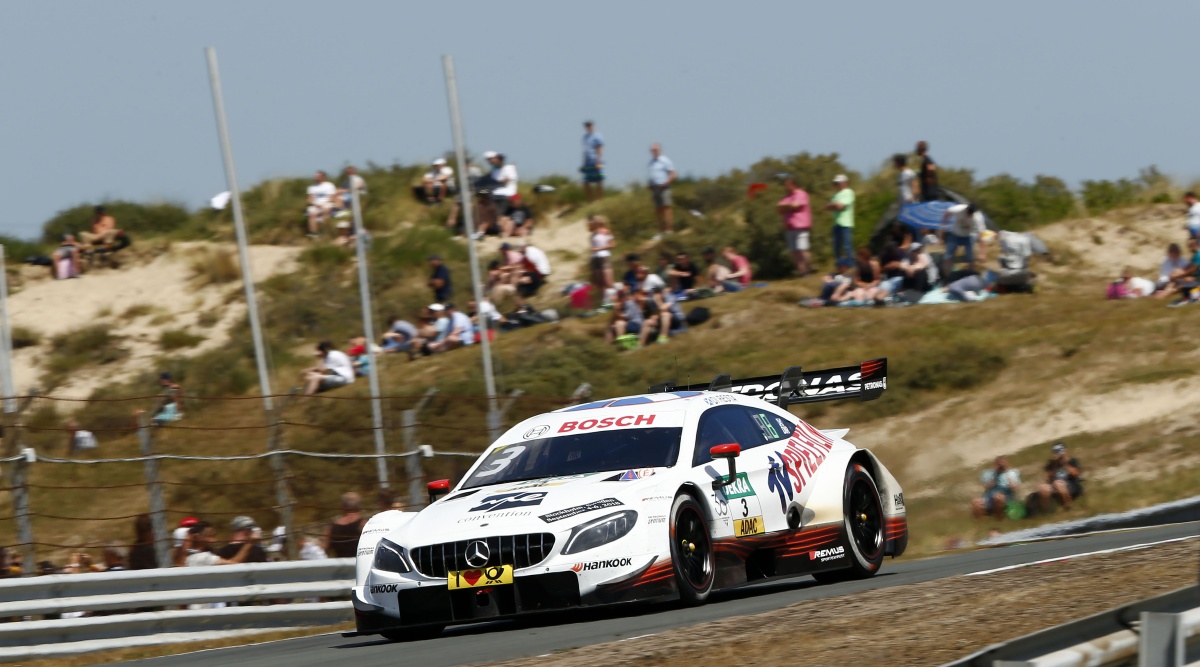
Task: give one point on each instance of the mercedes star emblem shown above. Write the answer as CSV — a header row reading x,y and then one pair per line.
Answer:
x,y
478,553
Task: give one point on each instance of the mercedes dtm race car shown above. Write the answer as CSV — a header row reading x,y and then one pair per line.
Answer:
x,y
671,494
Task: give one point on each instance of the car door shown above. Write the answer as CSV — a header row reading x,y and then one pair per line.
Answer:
x,y
737,508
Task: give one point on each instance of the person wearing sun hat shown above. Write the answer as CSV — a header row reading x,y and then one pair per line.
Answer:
x,y
842,206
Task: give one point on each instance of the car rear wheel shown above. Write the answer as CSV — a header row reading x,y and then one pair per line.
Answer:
x,y
863,519
413,634
692,553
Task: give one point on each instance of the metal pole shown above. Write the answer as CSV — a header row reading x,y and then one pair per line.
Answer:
x,y
20,484
364,291
464,187
158,509
412,464
283,496
239,225
6,376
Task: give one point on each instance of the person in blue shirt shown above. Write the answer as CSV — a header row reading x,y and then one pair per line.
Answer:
x,y
662,175
593,162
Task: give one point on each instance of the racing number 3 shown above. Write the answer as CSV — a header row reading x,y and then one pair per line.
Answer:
x,y
745,509
506,457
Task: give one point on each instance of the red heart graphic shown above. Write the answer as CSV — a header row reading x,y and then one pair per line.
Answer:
x,y
472,576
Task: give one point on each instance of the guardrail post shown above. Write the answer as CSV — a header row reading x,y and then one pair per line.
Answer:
x,y
1161,641
582,394
283,496
20,485
154,488
412,464
495,418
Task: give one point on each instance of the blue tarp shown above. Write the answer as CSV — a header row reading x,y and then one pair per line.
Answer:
x,y
927,215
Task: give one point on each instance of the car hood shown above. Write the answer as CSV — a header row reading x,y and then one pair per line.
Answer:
x,y
542,505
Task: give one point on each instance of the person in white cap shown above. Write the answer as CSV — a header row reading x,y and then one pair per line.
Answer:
x,y
842,205
439,181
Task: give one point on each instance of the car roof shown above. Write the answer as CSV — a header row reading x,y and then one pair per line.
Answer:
x,y
656,400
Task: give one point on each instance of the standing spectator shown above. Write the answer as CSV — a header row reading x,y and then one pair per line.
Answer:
x,y
502,189
961,225
593,162
907,189
320,202
438,181
341,535
182,540
204,536
535,270
1000,486
102,232
244,530
352,182
602,242
797,223
1193,214
142,555
1064,479
662,175
928,174
439,280
739,267
842,205
333,371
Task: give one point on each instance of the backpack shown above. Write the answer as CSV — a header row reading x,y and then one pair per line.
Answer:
x,y
698,315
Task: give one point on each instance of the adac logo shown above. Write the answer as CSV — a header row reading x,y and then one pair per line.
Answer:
x,y
602,564
383,588
536,432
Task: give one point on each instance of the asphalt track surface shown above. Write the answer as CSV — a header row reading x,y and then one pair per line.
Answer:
x,y
504,640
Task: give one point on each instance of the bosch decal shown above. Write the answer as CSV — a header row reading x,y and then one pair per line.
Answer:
x,y
580,509
607,422
506,501
536,432
602,564
383,588
824,555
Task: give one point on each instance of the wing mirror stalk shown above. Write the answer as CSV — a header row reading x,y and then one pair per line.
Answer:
x,y
730,451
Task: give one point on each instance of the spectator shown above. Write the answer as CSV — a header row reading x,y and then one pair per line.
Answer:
x,y
66,259
928,175
626,318
1184,281
1129,286
333,371
457,332
716,274
386,500
601,262
920,271
740,270
1064,479
866,279
81,562
671,319
360,358
78,439
1193,214
345,234
535,270
501,189
350,183
593,162
907,189
438,181
183,540
834,283
662,175
842,205
961,225
684,273
1000,487
400,336
277,549
797,224
244,530
320,202
971,287
633,262
439,280
114,557
341,535
892,273
484,316
142,555
102,232
170,404
1172,266
204,536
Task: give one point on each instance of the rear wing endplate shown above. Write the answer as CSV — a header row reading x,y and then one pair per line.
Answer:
x,y
865,382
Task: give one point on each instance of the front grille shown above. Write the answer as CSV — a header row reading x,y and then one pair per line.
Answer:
x,y
438,560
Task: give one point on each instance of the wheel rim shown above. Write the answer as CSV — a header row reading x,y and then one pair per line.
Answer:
x,y
694,563
866,519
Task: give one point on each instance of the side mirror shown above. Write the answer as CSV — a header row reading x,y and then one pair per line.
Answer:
x,y
437,488
729,451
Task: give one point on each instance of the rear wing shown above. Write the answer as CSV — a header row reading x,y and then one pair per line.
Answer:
x,y
865,382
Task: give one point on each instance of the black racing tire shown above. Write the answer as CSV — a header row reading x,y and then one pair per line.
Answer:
x,y
692,554
862,516
413,634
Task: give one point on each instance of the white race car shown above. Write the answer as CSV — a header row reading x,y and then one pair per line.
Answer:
x,y
671,494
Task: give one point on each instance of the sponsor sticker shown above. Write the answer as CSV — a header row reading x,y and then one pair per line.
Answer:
x,y
657,520
548,481
498,575
739,489
505,501
606,422
898,501
749,526
602,564
559,515
824,555
640,473
377,529
719,399
804,452
383,588
536,432
366,551
877,384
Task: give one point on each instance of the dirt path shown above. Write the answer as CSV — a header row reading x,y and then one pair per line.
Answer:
x,y
920,624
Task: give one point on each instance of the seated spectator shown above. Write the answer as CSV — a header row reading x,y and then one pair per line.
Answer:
x,y
496,191
684,273
831,282
400,336
519,221
78,439
1064,480
457,332
920,271
334,370
1172,264
102,233
434,326
974,287
1193,214
65,262
1129,286
891,267
484,316
633,262
359,358
114,557
320,202
203,537
866,279
662,312
717,274
1000,487
245,531
352,181
626,318
438,182
740,271
80,562
170,404
899,234
535,268
1184,280
346,238
341,535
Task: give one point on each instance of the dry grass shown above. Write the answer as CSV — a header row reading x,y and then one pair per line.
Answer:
x,y
214,266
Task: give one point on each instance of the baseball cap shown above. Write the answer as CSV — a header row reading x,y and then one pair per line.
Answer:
x,y
179,535
242,523
914,246
487,155
841,178
1058,448
344,224
436,307
440,161
188,522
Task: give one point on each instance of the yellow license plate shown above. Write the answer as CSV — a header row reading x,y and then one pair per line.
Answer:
x,y
748,526
488,576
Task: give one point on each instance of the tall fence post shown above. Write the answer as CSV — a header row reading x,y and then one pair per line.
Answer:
x,y
154,488
20,485
283,496
412,463
1161,642
495,416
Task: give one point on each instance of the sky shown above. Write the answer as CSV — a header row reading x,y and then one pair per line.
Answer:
x,y
111,100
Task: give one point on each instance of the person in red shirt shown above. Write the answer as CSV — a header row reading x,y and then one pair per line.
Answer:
x,y
797,223
740,271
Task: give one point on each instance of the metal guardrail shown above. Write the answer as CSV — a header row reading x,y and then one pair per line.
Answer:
x,y
142,593
1152,632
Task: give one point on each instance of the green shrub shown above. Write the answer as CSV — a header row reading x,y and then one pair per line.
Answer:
x,y
1101,196
137,219
174,339
24,337
16,250
88,346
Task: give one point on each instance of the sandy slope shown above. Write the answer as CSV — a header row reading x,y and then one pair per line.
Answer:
x,y
51,307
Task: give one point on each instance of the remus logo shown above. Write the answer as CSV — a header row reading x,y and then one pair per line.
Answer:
x,y
827,554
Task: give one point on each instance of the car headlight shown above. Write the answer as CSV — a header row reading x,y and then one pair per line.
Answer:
x,y
391,557
599,532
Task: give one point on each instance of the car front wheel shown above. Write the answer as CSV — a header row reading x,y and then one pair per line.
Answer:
x,y
692,554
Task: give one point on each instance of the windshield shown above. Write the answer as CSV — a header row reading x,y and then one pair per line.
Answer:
x,y
579,453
